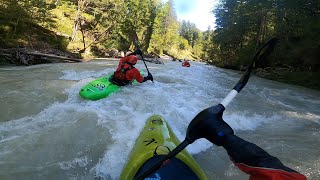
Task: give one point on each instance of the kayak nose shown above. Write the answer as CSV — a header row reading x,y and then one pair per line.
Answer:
x,y
87,93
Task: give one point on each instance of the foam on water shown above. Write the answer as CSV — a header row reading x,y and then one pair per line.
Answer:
x,y
178,94
244,121
73,75
305,116
82,162
178,97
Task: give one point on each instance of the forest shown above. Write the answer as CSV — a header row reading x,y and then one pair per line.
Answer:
x,y
97,28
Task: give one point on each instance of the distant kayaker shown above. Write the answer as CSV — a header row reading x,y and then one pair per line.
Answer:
x,y
186,63
126,72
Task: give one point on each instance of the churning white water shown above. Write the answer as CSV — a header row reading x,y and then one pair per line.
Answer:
x,y
47,131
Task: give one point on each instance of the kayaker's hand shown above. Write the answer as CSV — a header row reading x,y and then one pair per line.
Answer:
x,y
138,51
210,125
149,77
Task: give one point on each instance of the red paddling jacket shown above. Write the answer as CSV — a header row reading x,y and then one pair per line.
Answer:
x,y
186,64
256,162
126,72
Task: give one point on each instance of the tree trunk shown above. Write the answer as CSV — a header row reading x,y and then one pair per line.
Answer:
x,y
75,26
261,30
15,26
132,34
150,28
81,6
102,35
27,57
82,32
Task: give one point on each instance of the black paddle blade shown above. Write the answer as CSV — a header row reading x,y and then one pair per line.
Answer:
x,y
151,76
210,125
267,48
136,43
264,51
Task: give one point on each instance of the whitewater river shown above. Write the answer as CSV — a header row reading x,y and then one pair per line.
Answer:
x,y
48,132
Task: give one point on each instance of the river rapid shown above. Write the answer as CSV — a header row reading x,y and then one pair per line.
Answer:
x,y
47,131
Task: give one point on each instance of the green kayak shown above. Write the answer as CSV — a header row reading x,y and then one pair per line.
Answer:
x,y
155,141
100,88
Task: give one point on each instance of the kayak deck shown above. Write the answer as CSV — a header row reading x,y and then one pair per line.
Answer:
x,y
98,89
157,138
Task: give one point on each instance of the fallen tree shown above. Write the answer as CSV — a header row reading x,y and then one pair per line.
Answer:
x,y
22,56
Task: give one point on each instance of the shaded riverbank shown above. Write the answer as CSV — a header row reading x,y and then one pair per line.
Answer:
x,y
285,75
306,79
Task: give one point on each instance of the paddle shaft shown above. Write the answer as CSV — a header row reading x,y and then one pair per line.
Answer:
x,y
144,63
161,162
138,47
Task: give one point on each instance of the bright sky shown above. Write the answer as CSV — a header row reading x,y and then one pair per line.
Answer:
x,y
196,11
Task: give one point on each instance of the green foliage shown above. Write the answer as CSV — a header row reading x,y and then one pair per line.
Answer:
x,y
20,22
183,44
101,25
243,26
165,34
62,19
190,32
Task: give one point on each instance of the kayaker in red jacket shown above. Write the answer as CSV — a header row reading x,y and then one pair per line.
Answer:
x,y
126,72
186,64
